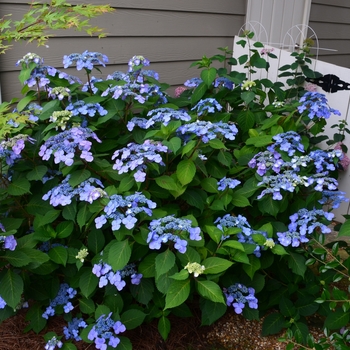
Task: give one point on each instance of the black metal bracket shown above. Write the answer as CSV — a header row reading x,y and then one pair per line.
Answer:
x,y
330,83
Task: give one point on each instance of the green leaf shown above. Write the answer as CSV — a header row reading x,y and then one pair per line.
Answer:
x,y
216,265
59,255
287,308
268,205
77,177
49,108
37,173
214,233
216,144
34,316
11,288
279,250
148,266
164,327
190,145
87,306
119,255
337,319
143,292
17,258
125,343
182,275
64,229
174,144
164,262
240,201
233,244
83,215
19,187
166,182
87,282
253,267
96,241
344,229
260,141
246,120
210,290
69,212
177,294
185,171
208,76
48,218
210,185
198,93
272,324
211,311
297,263
126,184
248,96
132,318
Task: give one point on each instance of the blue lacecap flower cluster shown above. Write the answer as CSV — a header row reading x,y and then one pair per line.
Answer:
x,y
104,332
64,295
52,343
172,229
239,295
72,331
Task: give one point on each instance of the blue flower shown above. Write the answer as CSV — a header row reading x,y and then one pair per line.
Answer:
x,y
86,60
207,105
52,343
239,295
230,183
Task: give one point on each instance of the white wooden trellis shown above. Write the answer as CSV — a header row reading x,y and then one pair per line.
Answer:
x,y
339,100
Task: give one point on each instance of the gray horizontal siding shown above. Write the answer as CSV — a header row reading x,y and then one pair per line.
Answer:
x,y
171,34
330,19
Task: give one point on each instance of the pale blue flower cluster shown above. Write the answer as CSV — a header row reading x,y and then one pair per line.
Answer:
x,y
227,183
63,297
135,157
105,329
65,144
289,142
266,160
2,303
324,160
86,60
106,275
64,192
333,198
208,105
193,82
224,82
52,343
238,295
303,223
241,222
139,92
90,85
207,130
72,331
172,229
38,77
316,105
159,115
9,242
122,210
86,109
11,149
137,62
29,58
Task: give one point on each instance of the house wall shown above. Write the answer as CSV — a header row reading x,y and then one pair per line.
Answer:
x,y
330,19
171,34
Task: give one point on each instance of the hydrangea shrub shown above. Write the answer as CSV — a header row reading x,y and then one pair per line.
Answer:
x,y
122,204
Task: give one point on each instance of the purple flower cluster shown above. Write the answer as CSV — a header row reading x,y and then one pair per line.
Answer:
x,y
193,82
85,60
59,92
86,109
11,149
9,242
333,198
64,145
90,85
159,115
316,105
224,82
241,222
105,274
122,210
208,105
321,180
207,130
73,329
64,294
266,160
135,157
30,58
64,192
172,229
239,295
105,329
52,343
324,160
227,183
302,223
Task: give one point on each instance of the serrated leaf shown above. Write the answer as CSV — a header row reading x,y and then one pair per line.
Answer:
x,y
164,262
253,267
233,244
34,315
344,229
132,318
17,258
77,177
96,241
297,263
182,275
174,144
59,255
11,288
215,265
166,182
198,93
64,229
87,283
210,290
208,76
119,255
164,327
240,201
337,319
18,187
216,144
272,324
287,308
126,184
87,306
185,171
246,120
143,292
210,185
83,216
177,294
37,173
211,311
